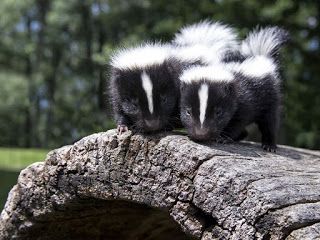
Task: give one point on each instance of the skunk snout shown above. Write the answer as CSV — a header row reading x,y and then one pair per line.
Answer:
x,y
200,134
153,124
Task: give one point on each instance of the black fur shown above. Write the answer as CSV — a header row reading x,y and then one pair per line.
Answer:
x,y
231,107
130,101
233,56
221,97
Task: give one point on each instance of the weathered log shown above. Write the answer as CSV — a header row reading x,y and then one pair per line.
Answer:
x,y
165,187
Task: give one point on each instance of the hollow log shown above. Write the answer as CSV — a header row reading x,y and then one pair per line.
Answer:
x,y
165,186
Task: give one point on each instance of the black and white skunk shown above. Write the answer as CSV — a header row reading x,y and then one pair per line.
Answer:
x,y
144,88
219,101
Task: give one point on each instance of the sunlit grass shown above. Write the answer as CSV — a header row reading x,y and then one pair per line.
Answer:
x,y
19,158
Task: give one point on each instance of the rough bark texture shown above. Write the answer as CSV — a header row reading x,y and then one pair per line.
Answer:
x,y
165,187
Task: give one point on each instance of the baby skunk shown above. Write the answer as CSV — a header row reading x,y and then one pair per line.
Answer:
x,y
144,88
206,43
219,101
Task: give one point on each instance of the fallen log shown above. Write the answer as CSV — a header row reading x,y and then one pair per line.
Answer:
x,y
165,186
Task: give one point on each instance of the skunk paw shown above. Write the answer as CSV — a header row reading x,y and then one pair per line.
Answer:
x,y
269,147
223,140
122,129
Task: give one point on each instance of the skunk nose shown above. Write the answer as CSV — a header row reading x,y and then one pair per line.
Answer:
x,y
152,124
200,134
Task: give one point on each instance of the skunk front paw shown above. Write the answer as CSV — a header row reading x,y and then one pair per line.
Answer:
x,y
122,129
223,140
269,147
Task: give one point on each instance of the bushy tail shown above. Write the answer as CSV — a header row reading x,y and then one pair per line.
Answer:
x,y
264,42
206,33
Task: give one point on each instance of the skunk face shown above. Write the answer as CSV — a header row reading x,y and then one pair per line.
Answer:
x,y
148,96
208,100
207,108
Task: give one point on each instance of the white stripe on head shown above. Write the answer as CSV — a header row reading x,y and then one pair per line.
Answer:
x,y
206,54
203,100
147,87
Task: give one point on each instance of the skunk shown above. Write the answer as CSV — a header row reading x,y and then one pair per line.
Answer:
x,y
206,43
144,88
220,100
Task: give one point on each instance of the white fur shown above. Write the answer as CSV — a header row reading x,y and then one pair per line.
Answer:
x,y
147,87
141,57
257,67
206,33
206,54
214,73
203,99
262,42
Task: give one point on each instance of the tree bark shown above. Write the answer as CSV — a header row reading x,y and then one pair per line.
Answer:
x,y
165,187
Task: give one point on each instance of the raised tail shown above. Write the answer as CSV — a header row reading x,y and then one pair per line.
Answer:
x,y
264,42
206,33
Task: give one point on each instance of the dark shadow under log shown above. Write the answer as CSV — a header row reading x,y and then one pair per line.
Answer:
x,y
165,187
105,219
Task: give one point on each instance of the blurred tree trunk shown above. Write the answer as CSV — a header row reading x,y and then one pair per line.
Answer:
x,y
87,28
51,82
101,41
29,119
43,8
50,77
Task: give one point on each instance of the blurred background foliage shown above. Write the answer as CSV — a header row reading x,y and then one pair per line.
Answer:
x,y
54,65
54,55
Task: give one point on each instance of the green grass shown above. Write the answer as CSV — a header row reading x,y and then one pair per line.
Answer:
x,y
7,180
18,158
12,160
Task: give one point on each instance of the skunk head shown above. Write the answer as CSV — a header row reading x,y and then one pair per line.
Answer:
x,y
208,101
145,80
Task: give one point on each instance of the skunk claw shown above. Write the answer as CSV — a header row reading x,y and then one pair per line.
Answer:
x,y
269,147
222,140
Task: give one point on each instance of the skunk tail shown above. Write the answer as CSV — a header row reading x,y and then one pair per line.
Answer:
x,y
264,42
206,33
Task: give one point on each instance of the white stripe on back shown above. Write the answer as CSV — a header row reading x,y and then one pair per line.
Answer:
x,y
212,73
258,67
203,99
147,87
141,56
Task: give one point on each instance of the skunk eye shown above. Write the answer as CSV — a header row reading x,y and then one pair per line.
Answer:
x,y
132,101
164,99
188,111
218,112
130,105
127,100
